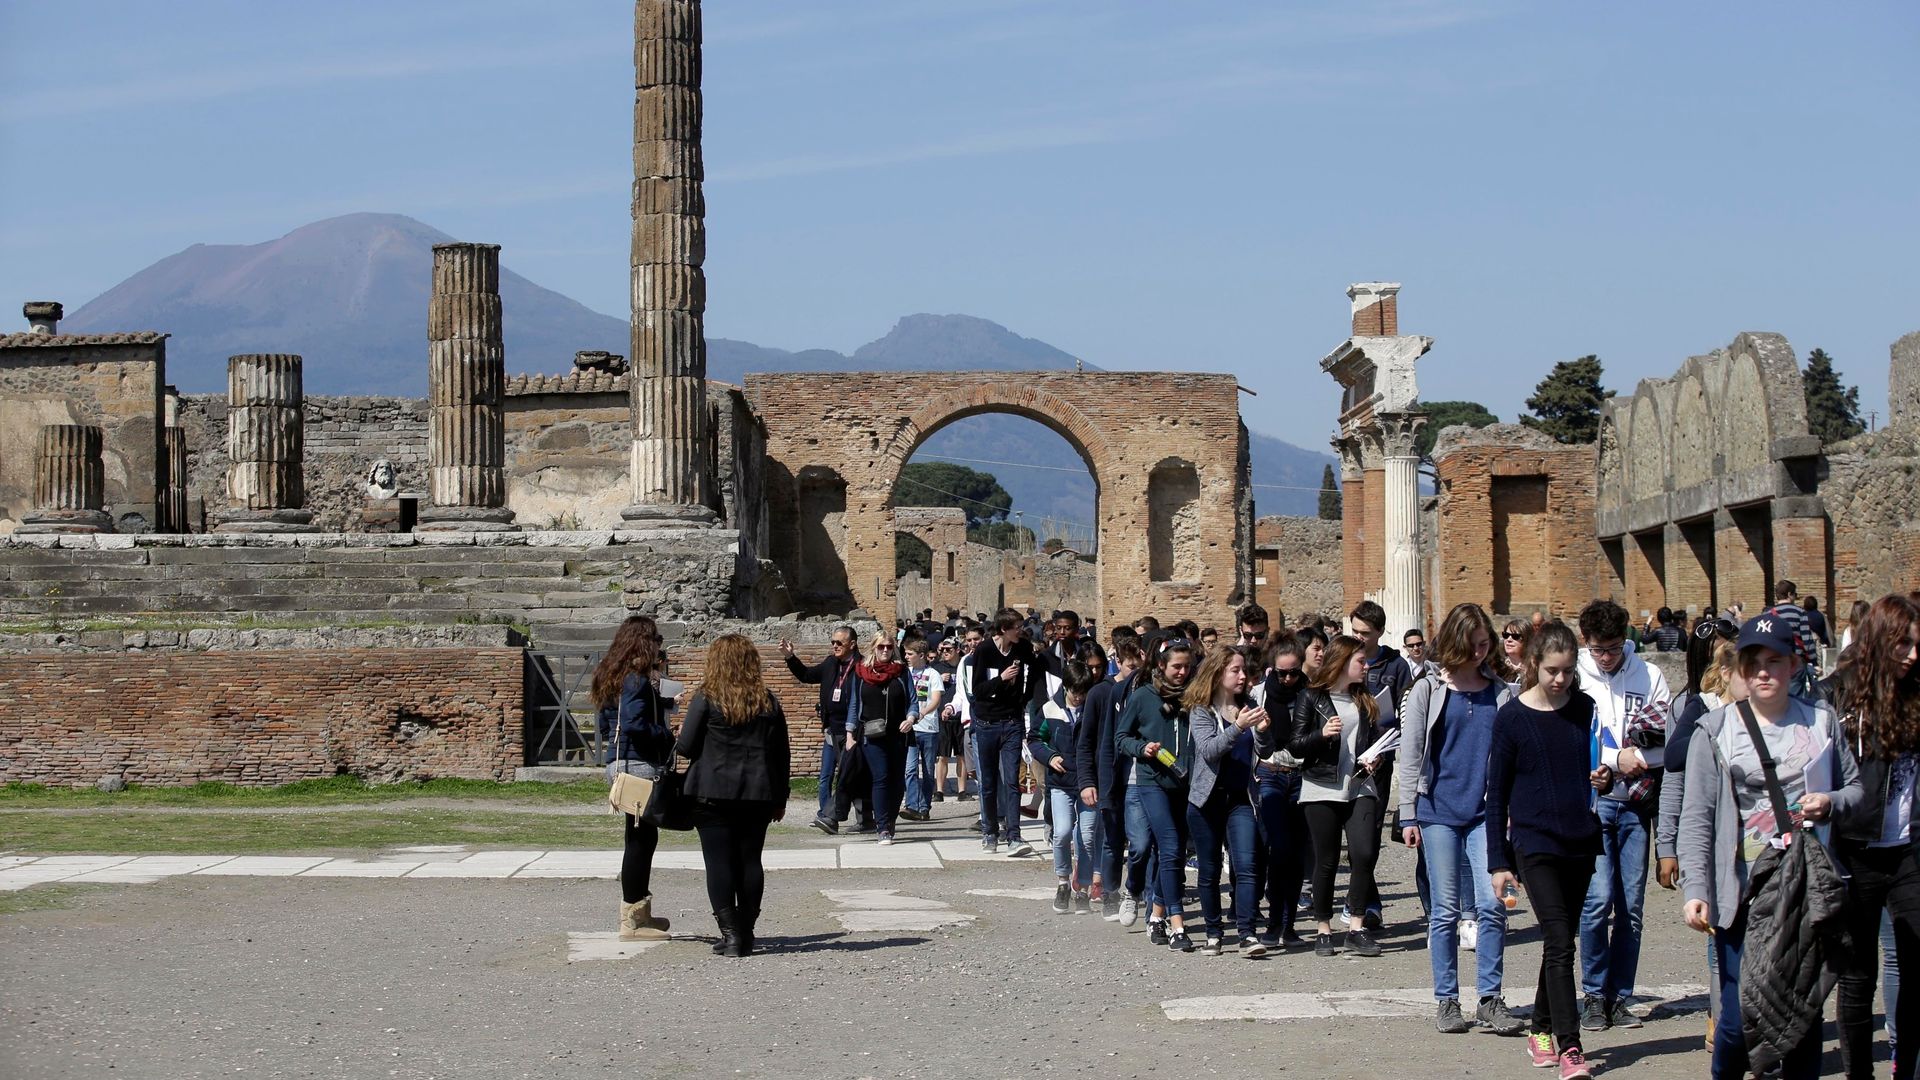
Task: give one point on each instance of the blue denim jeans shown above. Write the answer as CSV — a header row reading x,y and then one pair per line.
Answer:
x,y
1610,919
1113,852
1142,870
1729,1035
999,748
1225,823
1167,820
1076,837
887,761
920,754
829,766
1448,850
1280,860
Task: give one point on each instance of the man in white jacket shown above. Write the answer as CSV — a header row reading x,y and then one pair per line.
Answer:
x,y
1630,703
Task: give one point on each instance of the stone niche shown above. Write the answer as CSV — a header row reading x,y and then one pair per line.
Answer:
x,y
1514,523
115,382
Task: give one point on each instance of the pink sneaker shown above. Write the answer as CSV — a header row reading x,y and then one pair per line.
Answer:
x,y
1573,1065
1540,1050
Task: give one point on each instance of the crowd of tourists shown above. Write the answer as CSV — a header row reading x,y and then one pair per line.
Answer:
x,y
1541,759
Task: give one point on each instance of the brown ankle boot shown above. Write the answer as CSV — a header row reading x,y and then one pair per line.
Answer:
x,y
637,923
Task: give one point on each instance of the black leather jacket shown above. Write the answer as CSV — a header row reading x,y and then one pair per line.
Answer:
x,y
1319,756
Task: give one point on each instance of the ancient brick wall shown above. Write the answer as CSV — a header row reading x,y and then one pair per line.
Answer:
x,y
1515,522
261,717
849,435
1301,560
1872,493
111,381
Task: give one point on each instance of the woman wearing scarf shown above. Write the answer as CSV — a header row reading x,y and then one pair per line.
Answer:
x,y
883,709
1155,734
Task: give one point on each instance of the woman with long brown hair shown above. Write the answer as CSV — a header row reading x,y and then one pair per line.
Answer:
x,y
1219,809
1333,725
1446,728
736,737
1876,690
634,732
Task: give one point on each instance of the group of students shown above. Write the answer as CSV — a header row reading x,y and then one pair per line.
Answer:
x,y
1538,759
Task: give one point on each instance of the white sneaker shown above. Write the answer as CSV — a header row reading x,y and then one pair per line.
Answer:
x,y
1469,934
1129,911
886,839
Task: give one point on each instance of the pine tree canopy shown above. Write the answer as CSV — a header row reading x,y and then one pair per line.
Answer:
x,y
1566,404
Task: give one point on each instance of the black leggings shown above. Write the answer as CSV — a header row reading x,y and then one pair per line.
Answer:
x,y
1882,878
731,837
1557,888
1361,820
636,866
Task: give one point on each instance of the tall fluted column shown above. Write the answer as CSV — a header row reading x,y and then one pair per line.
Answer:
x,y
466,381
1401,598
667,382
265,445
69,483
173,466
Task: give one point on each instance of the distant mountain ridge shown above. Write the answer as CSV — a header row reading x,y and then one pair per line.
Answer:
x,y
350,294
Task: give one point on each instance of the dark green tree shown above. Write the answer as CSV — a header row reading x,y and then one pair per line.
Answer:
x,y
1833,408
938,483
911,555
1566,404
1329,496
1446,414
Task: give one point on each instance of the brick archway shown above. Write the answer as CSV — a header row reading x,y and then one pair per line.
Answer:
x,y
866,426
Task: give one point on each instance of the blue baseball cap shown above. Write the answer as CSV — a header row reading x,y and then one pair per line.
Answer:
x,y
1769,630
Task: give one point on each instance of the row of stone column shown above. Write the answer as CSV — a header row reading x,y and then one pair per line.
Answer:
x,y
266,403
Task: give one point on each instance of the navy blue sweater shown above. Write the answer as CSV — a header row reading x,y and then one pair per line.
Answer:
x,y
640,734
1537,781
1094,758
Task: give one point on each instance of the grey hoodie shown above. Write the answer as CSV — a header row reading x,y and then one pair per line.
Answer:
x,y
1711,867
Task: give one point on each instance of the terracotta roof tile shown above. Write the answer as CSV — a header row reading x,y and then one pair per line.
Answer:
x,y
54,341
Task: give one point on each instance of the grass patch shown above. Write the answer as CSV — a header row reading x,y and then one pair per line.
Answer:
x,y
346,833
332,791
49,897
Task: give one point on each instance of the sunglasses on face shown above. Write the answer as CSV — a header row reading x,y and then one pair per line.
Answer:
x,y
1289,675
1254,635
1512,635
1610,650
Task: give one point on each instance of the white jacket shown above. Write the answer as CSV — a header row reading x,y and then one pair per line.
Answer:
x,y
1637,687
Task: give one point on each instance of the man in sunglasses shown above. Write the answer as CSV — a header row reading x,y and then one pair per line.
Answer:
x,y
834,676
1253,622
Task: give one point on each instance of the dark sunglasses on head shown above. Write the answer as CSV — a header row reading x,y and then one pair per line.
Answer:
x,y
1714,628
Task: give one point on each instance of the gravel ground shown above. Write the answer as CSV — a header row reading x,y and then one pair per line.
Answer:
x,y
201,977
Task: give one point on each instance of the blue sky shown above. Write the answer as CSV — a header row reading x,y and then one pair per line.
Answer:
x,y
1147,185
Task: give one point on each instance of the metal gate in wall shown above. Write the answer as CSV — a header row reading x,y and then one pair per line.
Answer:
x,y
559,709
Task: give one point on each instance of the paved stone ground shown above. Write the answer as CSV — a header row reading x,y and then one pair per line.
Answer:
x,y
960,970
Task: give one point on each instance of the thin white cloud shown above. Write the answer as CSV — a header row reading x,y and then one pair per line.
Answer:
x,y
1006,141
174,89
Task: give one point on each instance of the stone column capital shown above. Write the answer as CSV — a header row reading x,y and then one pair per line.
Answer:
x,y
1399,432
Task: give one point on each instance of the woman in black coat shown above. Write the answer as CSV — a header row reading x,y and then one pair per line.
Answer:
x,y
735,735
